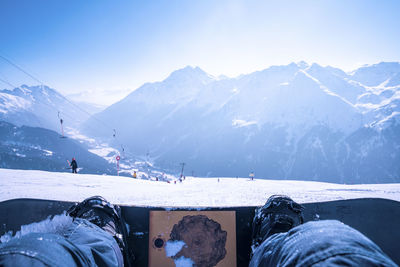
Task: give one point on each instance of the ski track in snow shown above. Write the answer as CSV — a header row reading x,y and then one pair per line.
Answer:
x,y
192,192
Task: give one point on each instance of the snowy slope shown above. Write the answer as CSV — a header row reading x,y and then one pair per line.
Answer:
x,y
34,148
193,192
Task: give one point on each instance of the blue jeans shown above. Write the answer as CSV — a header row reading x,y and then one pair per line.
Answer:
x,y
80,244
320,243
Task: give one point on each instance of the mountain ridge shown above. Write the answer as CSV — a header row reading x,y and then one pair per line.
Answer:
x,y
295,121
297,118
39,106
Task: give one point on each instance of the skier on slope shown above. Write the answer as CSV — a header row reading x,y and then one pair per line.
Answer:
x,y
251,175
74,165
96,235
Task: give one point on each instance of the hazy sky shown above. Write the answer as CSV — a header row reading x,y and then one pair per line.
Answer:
x,y
99,45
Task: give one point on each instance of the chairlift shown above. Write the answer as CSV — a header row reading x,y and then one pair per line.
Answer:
x,y
61,123
123,151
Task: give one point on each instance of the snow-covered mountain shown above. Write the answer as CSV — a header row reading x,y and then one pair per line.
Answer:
x,y
34,148
39,106
386,74
297,121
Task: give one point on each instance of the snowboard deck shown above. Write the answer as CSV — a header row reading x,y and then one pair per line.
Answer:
x,y
150,228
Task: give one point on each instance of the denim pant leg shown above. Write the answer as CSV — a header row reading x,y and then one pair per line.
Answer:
x,y
82,244
320,243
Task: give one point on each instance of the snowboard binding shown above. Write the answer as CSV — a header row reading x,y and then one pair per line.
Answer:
x,y
102,213
279,214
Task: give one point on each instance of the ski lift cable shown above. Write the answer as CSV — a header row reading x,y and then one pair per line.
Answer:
x,y
66,99
31,76
21,69
6,82
42,83
12,87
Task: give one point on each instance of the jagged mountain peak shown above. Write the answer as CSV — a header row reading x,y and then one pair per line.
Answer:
x,y
273,74
190,73
282,67
302,64
23,89
316,69
388,68
316,66
38,105
180,86
377,74
32,91
384,65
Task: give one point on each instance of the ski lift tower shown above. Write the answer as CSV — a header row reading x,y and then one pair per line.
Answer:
x,y
118,158
183,166
61,122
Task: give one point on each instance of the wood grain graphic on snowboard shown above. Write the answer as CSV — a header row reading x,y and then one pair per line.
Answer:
x,y
200,238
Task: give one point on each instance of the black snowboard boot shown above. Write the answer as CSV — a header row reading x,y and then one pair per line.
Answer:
x,y
278,215
102,213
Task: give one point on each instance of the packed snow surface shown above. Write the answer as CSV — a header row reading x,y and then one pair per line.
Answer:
x,y
192,192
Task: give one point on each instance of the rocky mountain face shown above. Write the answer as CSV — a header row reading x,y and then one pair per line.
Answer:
x,y
285,122
297,121
34,148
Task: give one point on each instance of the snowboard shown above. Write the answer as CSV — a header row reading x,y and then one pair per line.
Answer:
x,y
154,232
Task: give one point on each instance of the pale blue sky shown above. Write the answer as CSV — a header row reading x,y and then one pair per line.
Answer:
x,y
114,45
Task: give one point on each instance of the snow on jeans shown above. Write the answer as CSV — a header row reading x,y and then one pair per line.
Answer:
x,y
81,244
320,243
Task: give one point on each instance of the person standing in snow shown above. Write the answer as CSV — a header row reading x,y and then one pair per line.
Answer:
x,y
251,176
74,165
